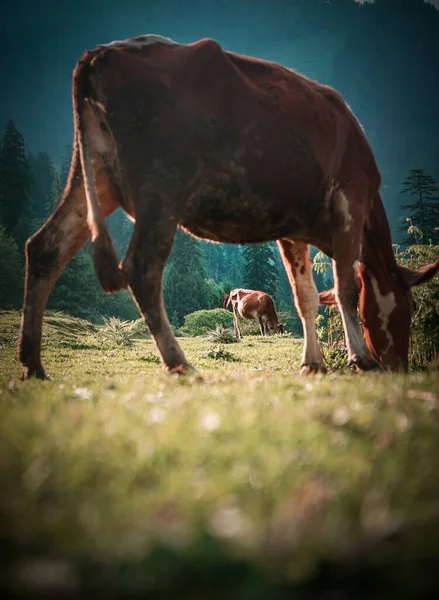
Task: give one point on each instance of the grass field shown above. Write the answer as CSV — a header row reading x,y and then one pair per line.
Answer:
x,y
119,481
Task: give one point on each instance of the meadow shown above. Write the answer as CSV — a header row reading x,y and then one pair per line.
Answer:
x,y
252,483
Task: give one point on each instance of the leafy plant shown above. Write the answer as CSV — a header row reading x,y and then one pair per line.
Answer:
x,y
116,332
140,329
329,326
220,353
150,358
76,345
424,344
222,335
321,263
336,356
330,334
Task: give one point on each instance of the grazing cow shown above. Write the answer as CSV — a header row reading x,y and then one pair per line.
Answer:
x,y
252,304
231,149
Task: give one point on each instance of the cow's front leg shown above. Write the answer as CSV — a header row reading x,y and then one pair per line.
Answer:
x,y
346,249
261,326
144,265
295,257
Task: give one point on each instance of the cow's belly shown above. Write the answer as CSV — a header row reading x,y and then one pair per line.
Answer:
x,y
229,214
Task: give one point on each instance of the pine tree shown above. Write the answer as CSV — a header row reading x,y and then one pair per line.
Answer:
x,y
261,269
185,287
424,212
11,272
43,181
121,229
15,184
65,166
214,259
55,192
224,263
234,264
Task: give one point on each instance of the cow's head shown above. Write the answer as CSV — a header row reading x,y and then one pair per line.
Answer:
x,y
386,308
279,328
226,299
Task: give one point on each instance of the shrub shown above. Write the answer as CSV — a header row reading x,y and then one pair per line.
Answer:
x,y
424,344
150,358
222,335
336,356
201,322
140,329
116,332
220,353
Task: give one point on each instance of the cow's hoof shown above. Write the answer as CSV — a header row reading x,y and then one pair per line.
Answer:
x,y
312,368
186,371
178,369
359,363
29,372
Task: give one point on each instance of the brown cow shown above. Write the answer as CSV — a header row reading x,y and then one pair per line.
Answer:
x,y
231,149
252,304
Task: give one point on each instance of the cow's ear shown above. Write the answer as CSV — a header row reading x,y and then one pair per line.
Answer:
x,y
411,277
327,297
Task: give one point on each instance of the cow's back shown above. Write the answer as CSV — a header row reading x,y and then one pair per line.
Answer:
x,y
245,150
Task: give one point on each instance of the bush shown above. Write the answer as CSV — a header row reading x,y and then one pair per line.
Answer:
x,y
424,343
150,358
201,322
220,353
116,332
141,329
336,356
222,335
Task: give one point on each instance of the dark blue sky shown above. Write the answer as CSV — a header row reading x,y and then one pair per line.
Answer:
x,y
40,42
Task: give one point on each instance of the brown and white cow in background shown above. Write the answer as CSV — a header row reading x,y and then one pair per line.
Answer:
x,y
231,149
253,304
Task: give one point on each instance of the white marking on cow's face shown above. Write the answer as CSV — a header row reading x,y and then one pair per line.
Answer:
x,y
328,195
386,305
343,209
141,41
355,267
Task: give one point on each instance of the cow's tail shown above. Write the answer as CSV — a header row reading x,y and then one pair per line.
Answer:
x,y
105,258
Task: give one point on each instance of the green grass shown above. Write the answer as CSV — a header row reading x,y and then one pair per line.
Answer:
x,y
254,483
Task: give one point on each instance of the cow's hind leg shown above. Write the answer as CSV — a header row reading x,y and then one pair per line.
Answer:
x,y
295,256
144,264
346,253
47,252
236,323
